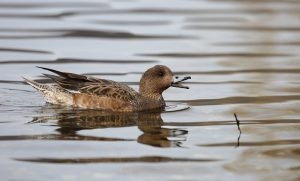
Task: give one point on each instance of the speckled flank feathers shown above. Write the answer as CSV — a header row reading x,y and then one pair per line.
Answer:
x,y
53,94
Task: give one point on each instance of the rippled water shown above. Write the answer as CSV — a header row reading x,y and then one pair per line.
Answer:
x,y
243,57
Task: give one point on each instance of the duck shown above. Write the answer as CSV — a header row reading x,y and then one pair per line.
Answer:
x,y
88,92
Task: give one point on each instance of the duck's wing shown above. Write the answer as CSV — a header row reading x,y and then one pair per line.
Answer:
x,y
92,85
109,89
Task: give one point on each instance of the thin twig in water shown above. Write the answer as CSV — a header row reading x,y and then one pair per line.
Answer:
x,y
240,131
237,122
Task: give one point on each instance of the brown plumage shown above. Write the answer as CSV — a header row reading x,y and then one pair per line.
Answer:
x,y
94,93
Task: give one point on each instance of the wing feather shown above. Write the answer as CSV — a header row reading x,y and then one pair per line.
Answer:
x,y
92,85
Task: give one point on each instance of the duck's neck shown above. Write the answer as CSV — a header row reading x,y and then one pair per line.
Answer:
x,y
154,100
150,95
154,97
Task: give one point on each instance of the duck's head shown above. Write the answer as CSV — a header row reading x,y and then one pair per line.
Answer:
x,y
157,79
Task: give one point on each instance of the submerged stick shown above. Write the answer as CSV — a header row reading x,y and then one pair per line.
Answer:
x,y
237,123
240,131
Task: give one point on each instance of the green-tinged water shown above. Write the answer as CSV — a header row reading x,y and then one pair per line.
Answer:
x,y
243,57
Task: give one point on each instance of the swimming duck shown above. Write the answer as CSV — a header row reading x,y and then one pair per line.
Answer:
x,y
94,93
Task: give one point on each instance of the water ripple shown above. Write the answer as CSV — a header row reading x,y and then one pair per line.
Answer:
x,y
57,33
145,159
240,100
76,60
222,55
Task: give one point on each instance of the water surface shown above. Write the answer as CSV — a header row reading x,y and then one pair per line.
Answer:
x,y
243,57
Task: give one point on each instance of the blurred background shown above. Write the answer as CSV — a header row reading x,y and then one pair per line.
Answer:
x,y
242,55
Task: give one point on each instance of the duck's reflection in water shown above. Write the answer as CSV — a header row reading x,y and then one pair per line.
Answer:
x,y
150,123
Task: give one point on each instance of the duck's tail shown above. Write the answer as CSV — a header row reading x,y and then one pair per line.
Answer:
x,y
53,94
38,86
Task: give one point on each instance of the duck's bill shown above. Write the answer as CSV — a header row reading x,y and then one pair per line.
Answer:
x,y
178,83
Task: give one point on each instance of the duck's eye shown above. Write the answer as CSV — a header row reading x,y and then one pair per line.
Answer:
x,y
161,74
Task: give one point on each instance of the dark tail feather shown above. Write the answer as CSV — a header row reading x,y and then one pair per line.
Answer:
x,y
65,83
54,71
66,74
54,77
